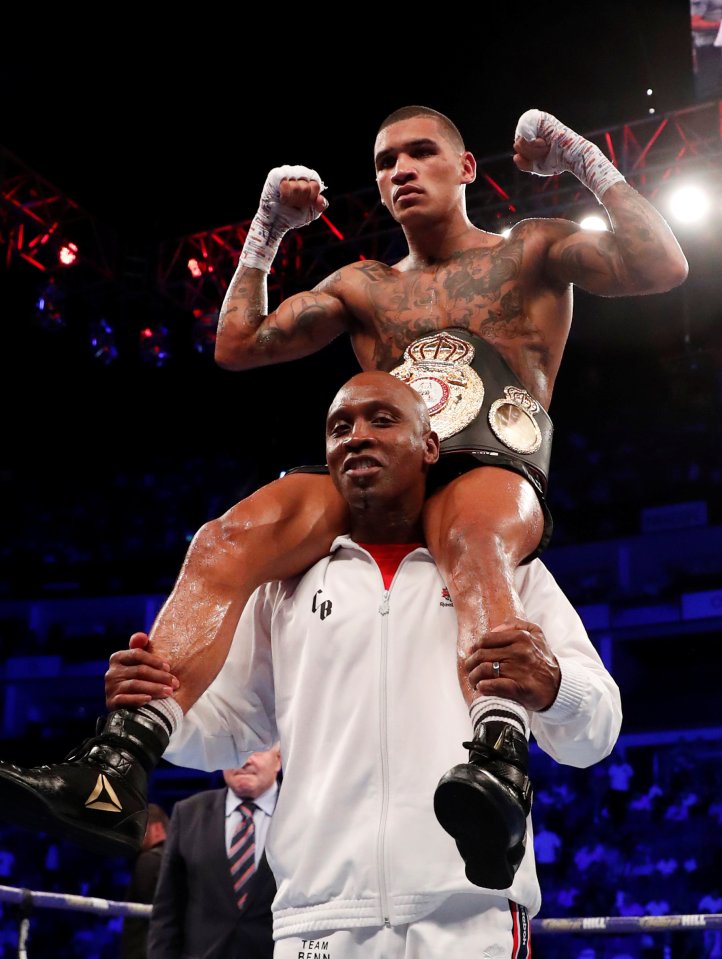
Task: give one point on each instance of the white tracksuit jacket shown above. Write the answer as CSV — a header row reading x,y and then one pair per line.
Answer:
x,y
360,686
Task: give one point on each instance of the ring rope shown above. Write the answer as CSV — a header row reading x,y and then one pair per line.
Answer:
x,y
58,900
598,924
616,925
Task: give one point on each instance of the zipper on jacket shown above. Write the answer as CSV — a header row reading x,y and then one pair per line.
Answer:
x,y
383,741
383,737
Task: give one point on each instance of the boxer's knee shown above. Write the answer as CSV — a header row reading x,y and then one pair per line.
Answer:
x,y
489,514
219,544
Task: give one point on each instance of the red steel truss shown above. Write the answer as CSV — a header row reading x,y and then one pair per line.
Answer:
x,y
193,271
37,220
650,152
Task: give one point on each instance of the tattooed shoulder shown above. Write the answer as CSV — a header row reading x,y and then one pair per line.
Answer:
x,y
331,284
372,271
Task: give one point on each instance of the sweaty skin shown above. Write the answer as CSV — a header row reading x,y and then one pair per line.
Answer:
x,y
514,292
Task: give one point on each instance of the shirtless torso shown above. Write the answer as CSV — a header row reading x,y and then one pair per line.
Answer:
x,y
494,287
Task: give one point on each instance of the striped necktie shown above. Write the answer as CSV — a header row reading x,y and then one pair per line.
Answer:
x,y
242,853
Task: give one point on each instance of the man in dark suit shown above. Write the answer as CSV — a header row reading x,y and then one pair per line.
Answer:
x,y
197,912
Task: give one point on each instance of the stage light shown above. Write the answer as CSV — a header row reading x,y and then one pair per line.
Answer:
x,y
102,341
197,268
506,233
68,254
594,222
689,204
154,345
204,332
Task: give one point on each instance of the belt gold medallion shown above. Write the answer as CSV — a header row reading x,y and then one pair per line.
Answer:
x,y
439,368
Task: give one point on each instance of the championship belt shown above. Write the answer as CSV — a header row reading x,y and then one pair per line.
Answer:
x,y
439,368
496,412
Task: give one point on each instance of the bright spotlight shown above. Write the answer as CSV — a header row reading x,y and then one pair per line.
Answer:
x,y
689,204
68,254
197,268
594,223
505,233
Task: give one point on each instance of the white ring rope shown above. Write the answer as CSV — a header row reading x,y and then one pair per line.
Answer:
x,y
57,900
597,924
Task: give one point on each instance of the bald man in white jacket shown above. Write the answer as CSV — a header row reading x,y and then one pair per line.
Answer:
x,y
352,667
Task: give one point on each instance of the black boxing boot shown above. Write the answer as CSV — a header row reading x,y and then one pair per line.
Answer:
x,y
484,804
96,797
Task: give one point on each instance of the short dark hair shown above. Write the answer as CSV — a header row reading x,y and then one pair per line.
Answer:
x,y
451,131
157,814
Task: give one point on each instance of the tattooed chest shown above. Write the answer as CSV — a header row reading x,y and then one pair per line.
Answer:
x,y
481,296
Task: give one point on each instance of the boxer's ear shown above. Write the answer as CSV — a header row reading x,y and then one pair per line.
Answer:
x,y
468,167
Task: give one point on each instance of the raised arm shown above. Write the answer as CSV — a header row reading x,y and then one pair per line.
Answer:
x,y
248,335
640,254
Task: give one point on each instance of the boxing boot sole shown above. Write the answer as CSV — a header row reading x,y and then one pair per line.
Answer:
x,y
488,824
25,806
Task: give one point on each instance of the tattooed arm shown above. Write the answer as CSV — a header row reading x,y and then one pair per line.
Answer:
x,y
640,255
248,336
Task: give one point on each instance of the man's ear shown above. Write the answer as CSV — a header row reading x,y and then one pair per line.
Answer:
x,y
431,454
468,167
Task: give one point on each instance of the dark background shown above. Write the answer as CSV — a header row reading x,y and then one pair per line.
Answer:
x,y
170,130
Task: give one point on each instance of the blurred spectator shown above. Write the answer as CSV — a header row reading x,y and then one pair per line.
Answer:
x,y
625,906
547,846
657,907
146,869
620,774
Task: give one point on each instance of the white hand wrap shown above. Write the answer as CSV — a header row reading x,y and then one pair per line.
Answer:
x,y
274,219
568,151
